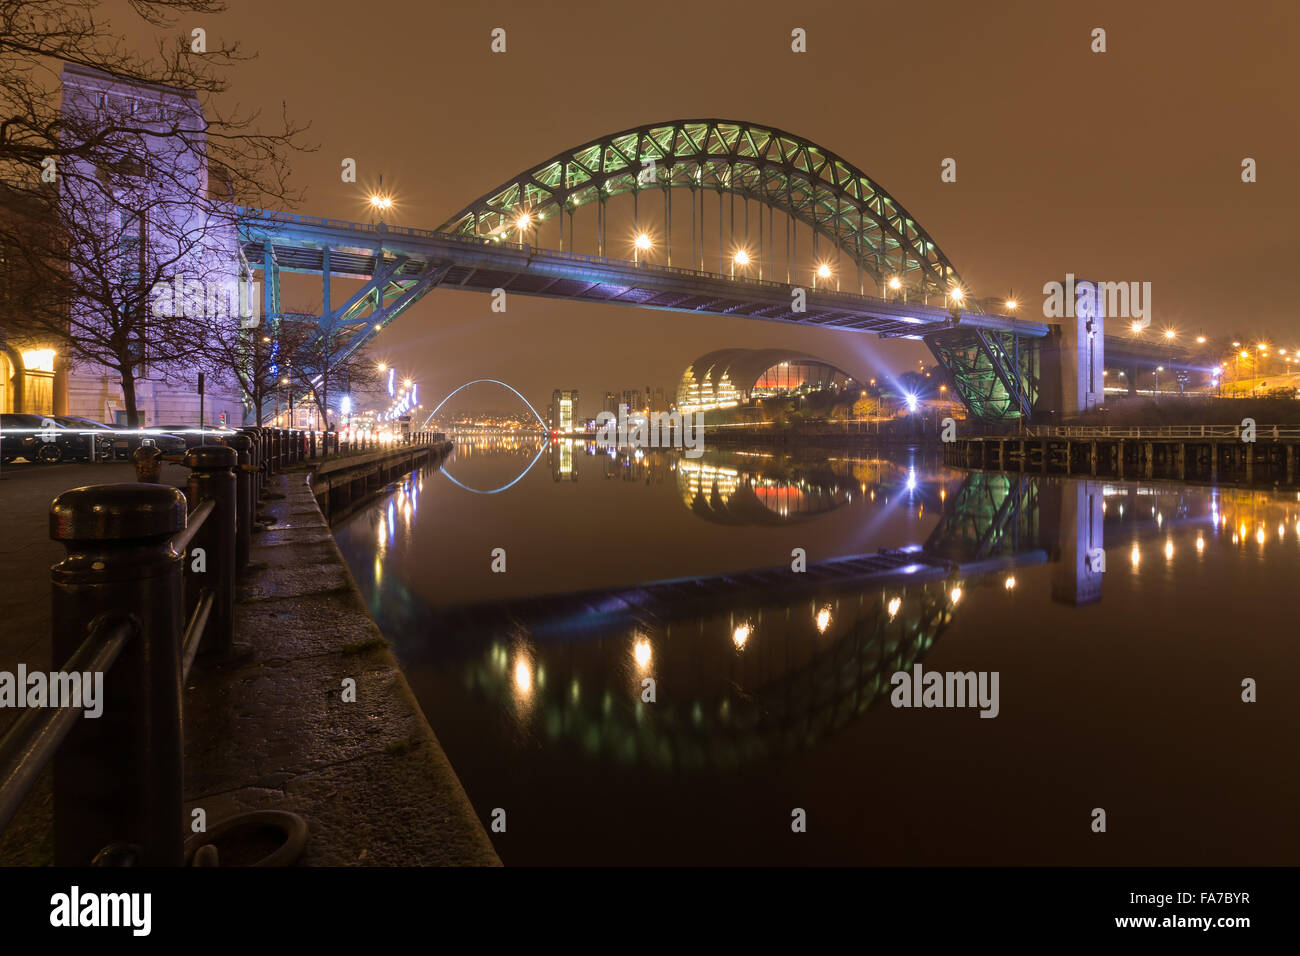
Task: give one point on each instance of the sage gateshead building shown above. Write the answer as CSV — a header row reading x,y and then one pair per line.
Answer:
x,y
732,377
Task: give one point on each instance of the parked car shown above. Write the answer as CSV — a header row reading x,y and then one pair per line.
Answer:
x,y
192,435
46,439
121,442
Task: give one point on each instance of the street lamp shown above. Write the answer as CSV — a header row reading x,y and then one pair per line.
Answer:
x,y
741,259
1011,304
642,244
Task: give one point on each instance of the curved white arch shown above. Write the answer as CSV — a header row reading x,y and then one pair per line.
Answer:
x,y
480,381
479,491
541,421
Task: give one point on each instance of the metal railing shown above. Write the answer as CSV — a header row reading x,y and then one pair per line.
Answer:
x,y
1158,431
148,579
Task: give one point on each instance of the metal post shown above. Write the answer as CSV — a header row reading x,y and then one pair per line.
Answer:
x,y
118,778
212,477
243,499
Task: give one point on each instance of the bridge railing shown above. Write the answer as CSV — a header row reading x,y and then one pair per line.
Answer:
x,y
1158,431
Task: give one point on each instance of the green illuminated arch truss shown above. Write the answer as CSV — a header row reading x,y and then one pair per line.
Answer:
x,y
806,182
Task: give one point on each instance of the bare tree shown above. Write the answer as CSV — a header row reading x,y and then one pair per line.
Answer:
x,y
132,172
324,369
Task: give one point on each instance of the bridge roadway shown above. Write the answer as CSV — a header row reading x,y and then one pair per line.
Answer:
x,y
407,263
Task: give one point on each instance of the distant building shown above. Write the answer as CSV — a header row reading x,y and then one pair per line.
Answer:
x,y
162,394
563,411
632,398
611,403
735,376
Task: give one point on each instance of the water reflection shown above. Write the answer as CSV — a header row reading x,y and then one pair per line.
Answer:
x,y
756,668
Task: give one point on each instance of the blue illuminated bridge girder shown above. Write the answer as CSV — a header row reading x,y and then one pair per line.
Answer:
x,y
399,265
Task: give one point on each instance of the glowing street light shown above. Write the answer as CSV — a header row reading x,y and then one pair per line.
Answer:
x,y
1170,333
1011,304
741,259
1200,340
380,202
642,244
895,283
957,294
383,367
1136,327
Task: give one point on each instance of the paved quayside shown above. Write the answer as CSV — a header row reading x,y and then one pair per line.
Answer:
x,y
271,730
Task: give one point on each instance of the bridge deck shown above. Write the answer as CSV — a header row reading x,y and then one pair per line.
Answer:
x,y
306,244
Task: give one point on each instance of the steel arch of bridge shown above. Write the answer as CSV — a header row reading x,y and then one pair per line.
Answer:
x,y
807,182
484,381
519,477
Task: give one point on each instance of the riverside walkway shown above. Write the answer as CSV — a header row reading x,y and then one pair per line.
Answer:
x,y
268,727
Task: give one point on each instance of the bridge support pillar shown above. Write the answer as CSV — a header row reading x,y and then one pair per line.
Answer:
x,y
1249,453
1148,459
1290,464
1214,461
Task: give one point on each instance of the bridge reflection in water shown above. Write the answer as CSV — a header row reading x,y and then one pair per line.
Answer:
x,y
764,677
766,661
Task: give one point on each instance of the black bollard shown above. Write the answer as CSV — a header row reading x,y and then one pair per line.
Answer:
x,y
255,459
243,500
118,778
212,477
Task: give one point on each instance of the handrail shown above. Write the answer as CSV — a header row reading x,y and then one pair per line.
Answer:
x,y
32,741
192,525
193,636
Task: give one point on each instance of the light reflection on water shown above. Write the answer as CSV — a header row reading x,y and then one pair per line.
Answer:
x,y
1121,617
